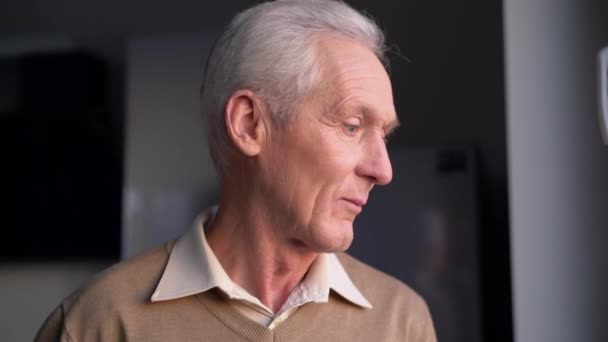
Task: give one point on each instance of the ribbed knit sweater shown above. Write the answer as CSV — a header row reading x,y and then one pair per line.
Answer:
x,y
115,306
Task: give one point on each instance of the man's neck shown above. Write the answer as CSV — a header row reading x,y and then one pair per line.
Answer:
x,y
255,257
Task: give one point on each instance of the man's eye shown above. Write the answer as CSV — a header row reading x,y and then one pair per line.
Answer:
x,y
351,129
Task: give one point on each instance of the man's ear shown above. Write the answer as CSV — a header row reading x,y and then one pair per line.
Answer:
x,y
245,121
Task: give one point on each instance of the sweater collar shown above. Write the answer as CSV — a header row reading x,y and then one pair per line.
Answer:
x,y
193,268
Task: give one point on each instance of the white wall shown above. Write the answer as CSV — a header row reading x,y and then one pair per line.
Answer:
x,y
558,171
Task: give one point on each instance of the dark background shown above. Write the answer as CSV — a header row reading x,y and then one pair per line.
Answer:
x,y
449,91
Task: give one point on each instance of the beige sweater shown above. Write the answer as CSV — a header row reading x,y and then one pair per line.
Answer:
x,y
116,306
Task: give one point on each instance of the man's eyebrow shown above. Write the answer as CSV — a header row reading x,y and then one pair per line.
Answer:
x,y
389,128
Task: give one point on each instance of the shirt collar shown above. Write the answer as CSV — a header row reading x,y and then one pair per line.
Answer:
x,y
193,268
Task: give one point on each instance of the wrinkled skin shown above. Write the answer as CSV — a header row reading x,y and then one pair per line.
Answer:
x,y
317,171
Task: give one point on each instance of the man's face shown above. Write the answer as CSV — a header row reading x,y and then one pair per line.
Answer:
x,y
320,169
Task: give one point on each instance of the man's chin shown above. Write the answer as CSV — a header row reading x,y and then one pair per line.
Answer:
x,y
344,247
337,244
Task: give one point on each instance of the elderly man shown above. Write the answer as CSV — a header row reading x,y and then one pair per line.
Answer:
x,y
299,107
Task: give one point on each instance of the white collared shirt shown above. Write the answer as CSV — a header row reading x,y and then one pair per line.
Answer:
x,y
194,268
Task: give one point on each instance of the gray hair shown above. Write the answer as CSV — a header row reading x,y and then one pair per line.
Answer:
x,y
269,49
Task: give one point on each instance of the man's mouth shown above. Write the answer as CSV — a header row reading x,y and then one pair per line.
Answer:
x,y
356,204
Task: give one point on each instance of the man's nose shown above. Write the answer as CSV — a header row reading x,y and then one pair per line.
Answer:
x,y
376,164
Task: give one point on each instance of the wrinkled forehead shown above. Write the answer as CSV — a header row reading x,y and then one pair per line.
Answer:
x,y
350,66
354,79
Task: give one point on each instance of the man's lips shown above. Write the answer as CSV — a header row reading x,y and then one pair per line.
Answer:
x,y
355,203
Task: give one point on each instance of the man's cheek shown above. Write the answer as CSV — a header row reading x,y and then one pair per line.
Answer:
x,y
324,205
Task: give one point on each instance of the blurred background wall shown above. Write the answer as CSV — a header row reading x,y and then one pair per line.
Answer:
x,y
558,169
450,92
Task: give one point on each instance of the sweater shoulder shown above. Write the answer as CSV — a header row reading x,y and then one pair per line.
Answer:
x,y
126,284
397,308
381,288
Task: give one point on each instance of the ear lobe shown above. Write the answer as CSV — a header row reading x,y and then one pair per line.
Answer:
x,y
244,122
